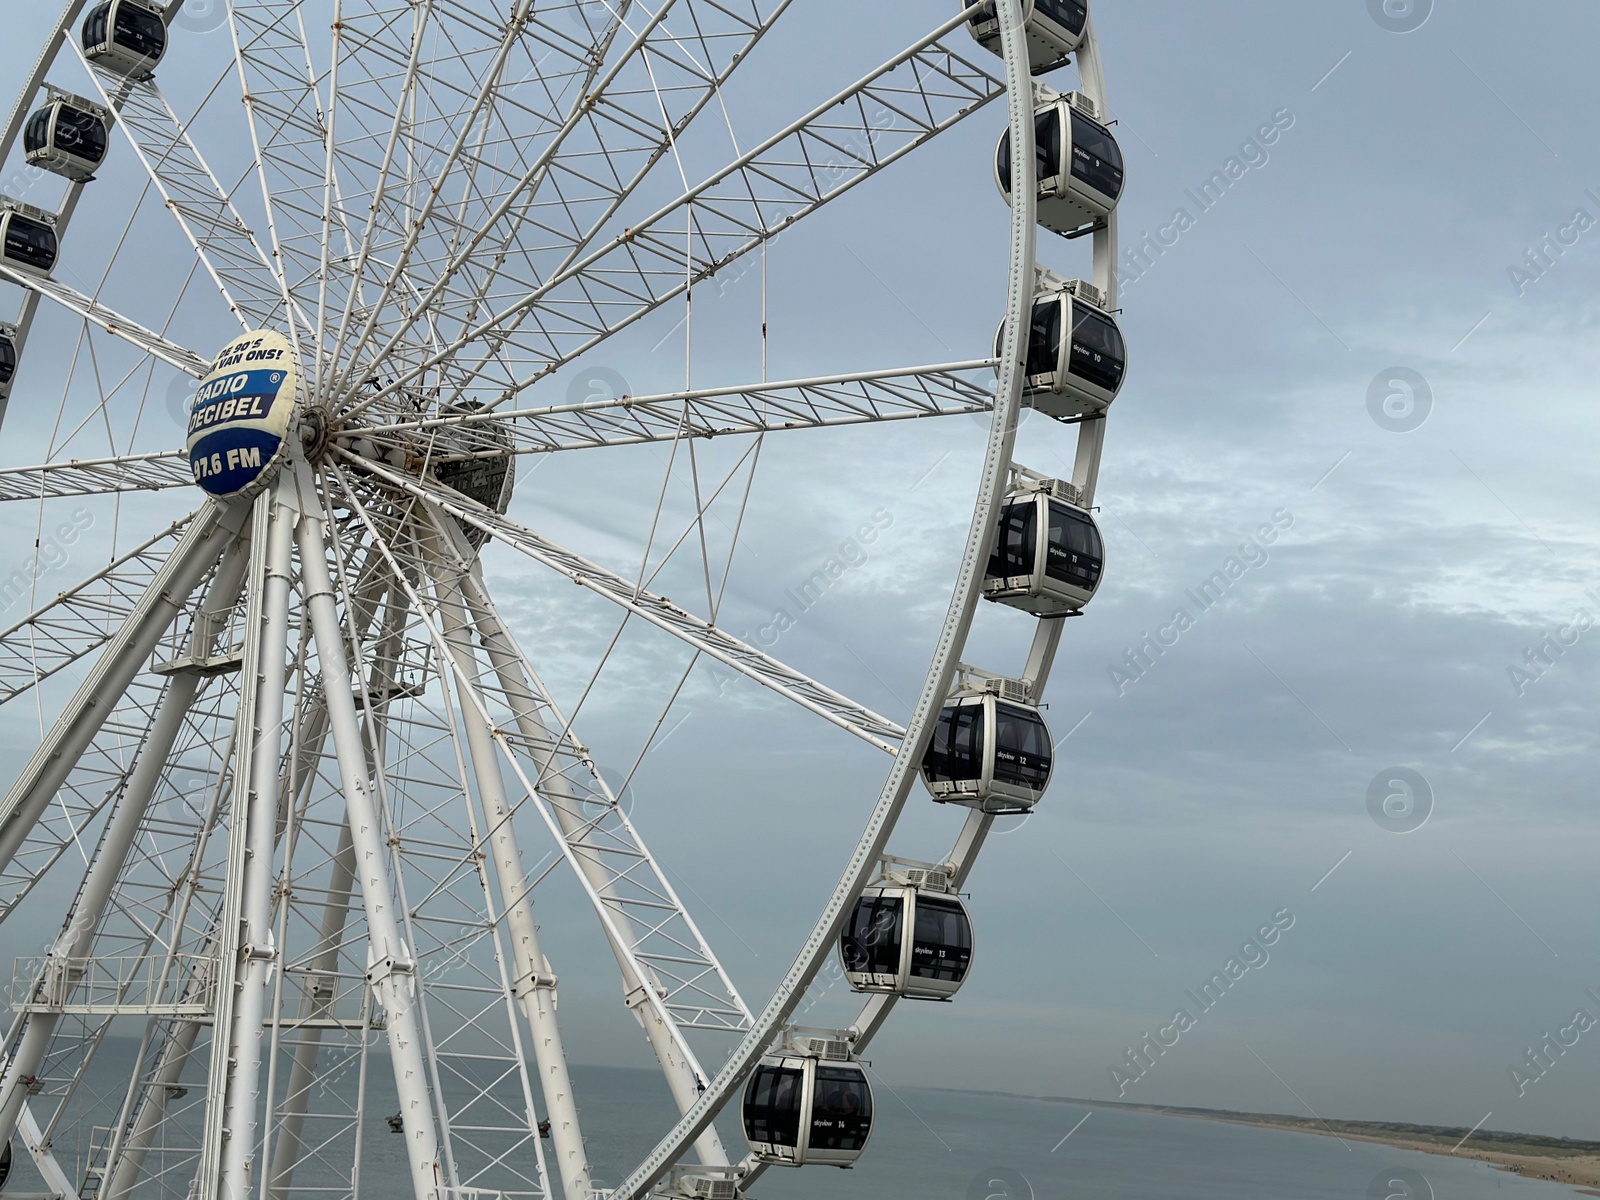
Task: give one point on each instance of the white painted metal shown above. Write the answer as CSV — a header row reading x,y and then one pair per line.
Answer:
x,y
583,842
112,322
65,965
581,831
425,250
119,661
535,983
255,816
391,968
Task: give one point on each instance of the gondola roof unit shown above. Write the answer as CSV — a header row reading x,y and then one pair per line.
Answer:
x,y
698,1182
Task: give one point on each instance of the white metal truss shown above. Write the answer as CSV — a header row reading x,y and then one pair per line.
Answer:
x,y
80,620
872,396
91,477
849,138
113,322
671,979
868,397
197,201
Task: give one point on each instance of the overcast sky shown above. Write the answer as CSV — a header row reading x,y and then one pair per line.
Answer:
x,y
1426,552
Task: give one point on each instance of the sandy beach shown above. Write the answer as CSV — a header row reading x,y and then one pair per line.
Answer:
x,y
1582,1171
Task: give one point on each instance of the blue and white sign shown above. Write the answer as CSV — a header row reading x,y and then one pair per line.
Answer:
x,y
242,413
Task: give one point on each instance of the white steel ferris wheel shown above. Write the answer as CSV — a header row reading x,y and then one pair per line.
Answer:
x,y
442,205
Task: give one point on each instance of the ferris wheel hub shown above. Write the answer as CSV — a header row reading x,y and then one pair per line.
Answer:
x,y
243,411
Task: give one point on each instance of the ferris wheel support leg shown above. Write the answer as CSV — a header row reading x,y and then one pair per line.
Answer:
x,y
391,971
60,972
535,985
682,1073
320,982
119,662
254,877
320,997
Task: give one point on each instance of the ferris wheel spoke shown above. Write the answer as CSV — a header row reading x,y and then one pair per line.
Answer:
x,y
97,476
254,291
629,118
477,161
82,619
113,322
868,397
919,94
832,706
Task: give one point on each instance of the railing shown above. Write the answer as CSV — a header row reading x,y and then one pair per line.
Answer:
x,y
161,984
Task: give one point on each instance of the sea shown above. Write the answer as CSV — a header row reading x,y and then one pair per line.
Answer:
x,y
952,1145
948,1145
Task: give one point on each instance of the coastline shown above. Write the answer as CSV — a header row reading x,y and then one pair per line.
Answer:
x,y
1580,1171
1532,1156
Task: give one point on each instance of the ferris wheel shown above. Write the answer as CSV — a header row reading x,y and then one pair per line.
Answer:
x,y
295,756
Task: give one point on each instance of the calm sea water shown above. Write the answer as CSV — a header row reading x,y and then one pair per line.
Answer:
x,y
929,1145
938,1145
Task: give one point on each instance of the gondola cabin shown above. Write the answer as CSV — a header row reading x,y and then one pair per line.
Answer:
x,y
1077,166
808,1104
8,358
989,752
1048,553
476,460
125,36
909,936
1076,357
1055,29
68,136
27,237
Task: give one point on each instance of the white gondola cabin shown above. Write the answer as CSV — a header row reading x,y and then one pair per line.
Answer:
x,y
909,935
808,1103
68,135
991,750
1048,554
1055,29
1077,165
27,237
125,36
1076,358
8,357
